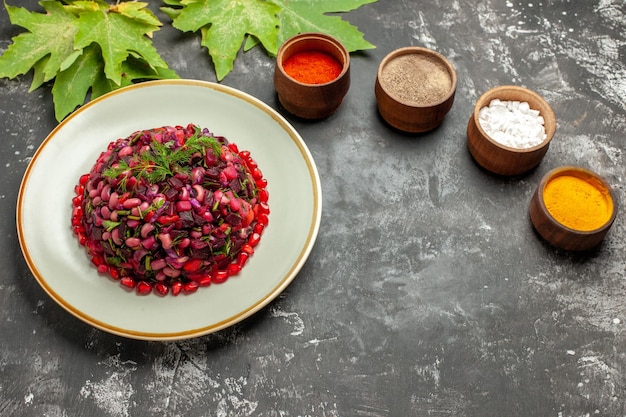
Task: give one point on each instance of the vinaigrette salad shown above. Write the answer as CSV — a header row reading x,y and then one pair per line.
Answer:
x,y
171,209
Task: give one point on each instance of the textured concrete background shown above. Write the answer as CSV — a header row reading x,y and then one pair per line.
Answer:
x,y
427,293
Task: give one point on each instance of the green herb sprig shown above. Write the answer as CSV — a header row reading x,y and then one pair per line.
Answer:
x,y
164,160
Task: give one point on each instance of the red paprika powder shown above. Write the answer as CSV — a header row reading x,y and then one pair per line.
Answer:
x,y
312,67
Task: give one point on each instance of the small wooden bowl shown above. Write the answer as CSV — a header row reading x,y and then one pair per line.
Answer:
x,y
311,101
415,89
560,235
501,159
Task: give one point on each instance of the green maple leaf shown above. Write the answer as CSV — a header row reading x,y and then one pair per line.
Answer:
x,y
117,35
72,85
225,24
299,16
137,11
47,44
85,46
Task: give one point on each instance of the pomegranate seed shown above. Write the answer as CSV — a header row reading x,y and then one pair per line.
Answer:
x,y
256,173
148,216
205,281
258,228
233,269
220,276
190,287
249,161
263,195
192,265
165,220
143,288
177,287
83,179
247,249
127,282
161,289
242,258
123,198
263,219
114,273
254,239
77,212
264,208
97,261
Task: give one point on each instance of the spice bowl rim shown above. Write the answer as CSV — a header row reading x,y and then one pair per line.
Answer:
x,y
408,50
491,94
569,170
345,62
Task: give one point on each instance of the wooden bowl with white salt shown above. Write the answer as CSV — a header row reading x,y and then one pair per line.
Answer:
x,y
510,130
415,89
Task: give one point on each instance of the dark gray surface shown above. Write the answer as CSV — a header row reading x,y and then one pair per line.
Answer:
x,y
427,292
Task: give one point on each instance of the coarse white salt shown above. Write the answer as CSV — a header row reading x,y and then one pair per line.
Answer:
x,y
512,123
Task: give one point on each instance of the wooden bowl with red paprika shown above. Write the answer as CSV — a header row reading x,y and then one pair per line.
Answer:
x,y
573,208
312,75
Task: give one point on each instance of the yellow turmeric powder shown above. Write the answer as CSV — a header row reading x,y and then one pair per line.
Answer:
x,y
577,203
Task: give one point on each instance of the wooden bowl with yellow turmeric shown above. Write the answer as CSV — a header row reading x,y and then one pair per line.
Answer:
x,y
573,208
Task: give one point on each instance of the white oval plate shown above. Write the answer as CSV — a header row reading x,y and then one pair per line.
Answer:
x,y
61,265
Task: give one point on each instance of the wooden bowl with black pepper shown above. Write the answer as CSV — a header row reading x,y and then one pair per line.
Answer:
x,y
573,208
415,89
312,75
509,155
